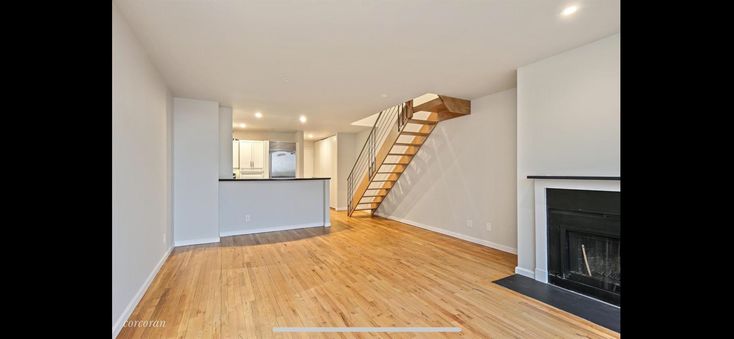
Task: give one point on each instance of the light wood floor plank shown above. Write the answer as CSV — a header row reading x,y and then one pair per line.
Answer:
x,y
363,271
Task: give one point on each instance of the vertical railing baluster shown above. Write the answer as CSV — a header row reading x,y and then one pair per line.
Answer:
x,y
400,121
374,156
371,158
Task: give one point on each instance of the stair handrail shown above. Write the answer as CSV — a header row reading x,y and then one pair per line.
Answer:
x,y
367,161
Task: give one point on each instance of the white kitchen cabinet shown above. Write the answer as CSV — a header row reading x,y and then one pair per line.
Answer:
x,y
257,154
251,154
235,154
245,154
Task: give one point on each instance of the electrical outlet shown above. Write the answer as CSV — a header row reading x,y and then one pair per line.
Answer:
x,y
469,223
247,218
489,226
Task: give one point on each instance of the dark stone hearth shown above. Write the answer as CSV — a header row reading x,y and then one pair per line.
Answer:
x,y
590,309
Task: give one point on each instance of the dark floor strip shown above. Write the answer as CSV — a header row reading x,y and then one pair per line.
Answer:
x,y
584,307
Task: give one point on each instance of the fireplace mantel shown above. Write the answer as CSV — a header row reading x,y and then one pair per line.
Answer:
x,y
563,177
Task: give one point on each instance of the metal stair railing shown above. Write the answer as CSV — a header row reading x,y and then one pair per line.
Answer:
x,y
366,163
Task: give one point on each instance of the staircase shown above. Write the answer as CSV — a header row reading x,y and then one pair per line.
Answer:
x,y
395,139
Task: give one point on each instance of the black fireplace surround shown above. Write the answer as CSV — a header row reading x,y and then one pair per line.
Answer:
x,y
584,242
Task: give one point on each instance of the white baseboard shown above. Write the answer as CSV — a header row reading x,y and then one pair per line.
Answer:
x,y
541,275
453,234
524,272
117,327
195,241
271,229
341,208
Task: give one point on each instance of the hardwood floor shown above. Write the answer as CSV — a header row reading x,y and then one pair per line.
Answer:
x,y
363,272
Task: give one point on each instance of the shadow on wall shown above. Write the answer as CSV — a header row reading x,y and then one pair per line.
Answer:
x,y
411,179
427,176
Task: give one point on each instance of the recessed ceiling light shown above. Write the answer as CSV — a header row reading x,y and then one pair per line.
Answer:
x,y
310,135
258,115
243,125
302,119
384,95
569,10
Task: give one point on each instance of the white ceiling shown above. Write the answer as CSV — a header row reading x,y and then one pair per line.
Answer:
x,y
338,61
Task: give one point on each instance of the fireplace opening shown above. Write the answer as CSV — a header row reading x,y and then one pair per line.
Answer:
x,y
584,242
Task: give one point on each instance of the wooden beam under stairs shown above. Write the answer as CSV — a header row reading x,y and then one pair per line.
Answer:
x,y
446,107
435,105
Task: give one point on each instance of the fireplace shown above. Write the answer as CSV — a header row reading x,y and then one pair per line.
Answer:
x,y
584,242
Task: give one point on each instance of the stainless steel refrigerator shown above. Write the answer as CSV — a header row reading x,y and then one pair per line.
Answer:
x,y
282,159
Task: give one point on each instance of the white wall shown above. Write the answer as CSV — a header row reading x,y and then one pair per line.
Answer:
x,y
567,124
141,167
465,171
325,164
264,203
264,135
225,142
360,139
308,157
346,155
334,157
196,171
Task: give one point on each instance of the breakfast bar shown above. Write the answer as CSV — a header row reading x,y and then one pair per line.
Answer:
x,y
249,206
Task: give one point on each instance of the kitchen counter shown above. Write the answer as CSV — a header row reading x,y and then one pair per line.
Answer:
x,y
249,206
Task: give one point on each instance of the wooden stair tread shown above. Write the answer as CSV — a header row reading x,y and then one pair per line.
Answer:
x,y
407,144
422,122
421,134
403,154
384,180
395,163
372,206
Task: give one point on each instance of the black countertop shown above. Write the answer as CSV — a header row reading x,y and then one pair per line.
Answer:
x,y
281,179
571,177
